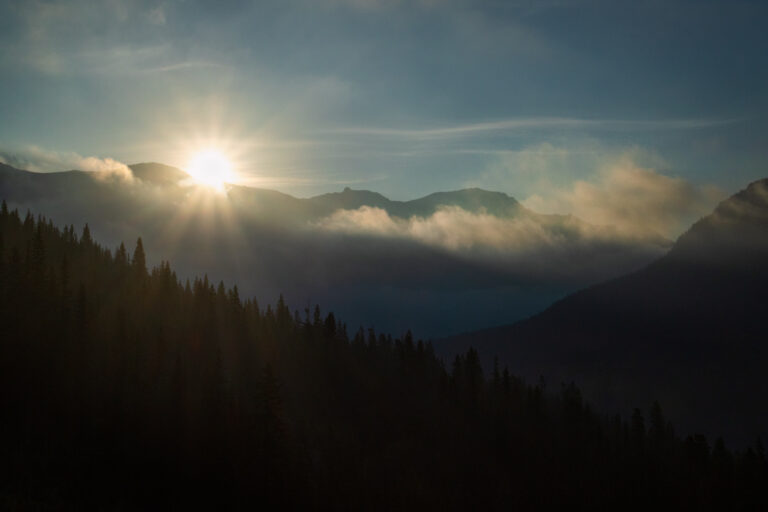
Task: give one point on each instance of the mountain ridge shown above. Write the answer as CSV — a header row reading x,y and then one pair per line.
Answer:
x,y
508,263
694,314
473,199
158,173
348,198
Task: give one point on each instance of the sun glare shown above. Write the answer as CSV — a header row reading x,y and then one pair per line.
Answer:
x,y
209,167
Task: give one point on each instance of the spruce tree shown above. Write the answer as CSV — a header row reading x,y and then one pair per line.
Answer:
x,y
139,261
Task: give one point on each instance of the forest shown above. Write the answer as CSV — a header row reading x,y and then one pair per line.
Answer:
x,y
124,387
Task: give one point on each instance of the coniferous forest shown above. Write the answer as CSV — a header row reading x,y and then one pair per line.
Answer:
x,y
122,387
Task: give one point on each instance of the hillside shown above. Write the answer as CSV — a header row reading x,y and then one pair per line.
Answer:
x,y
124,388
688,329
445,263
472,200
158,174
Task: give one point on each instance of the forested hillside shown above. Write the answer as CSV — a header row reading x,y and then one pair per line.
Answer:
x,y
439,265
688,329
122,387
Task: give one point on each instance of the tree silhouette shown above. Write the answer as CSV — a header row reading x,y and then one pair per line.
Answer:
x,y
139,261
122,387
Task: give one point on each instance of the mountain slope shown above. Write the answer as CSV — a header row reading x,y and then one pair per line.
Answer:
x,y
473,200
159,174
689,328
123,389
481,261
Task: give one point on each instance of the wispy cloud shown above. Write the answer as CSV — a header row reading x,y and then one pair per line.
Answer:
x,y
385,4
36,159
308,179
78,36
531,123
630,188
632,198
178,66
550,247
454,228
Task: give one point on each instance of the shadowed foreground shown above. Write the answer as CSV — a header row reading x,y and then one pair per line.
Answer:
x,y
123,388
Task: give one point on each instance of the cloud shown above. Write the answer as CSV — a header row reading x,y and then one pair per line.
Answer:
x,y
106,168
602,185
35,159
538,167
449,227
178,66
385,4
441,272
632,198
529,246
77,36
530,123
364,220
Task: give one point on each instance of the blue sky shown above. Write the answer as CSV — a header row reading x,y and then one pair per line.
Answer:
x,y
529,97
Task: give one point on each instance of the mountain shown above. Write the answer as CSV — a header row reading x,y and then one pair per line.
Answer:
x,y
159,174
689,329
445,263
123,388
472,200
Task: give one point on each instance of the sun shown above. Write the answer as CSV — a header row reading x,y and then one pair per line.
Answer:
x,y
211,168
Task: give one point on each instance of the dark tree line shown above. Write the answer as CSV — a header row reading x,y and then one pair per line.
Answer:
x,y
122,387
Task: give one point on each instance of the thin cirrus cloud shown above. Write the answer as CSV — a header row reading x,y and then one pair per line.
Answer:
x,y
56,38
179,66
528,123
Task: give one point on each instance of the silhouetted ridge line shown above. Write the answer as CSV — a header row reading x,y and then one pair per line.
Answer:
x,y
444,263
688,329
120,387
160,174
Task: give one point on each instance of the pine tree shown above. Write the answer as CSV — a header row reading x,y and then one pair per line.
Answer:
x,y
121,256
139,261
85,238
177,384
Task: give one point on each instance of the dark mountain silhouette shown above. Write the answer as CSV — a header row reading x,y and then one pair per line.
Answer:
x,y
473,200
159,174
689,329
22,185
269,242
124,388
349,199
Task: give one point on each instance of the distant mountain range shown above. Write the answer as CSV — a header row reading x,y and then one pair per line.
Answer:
x,y
687,328
472,200
690,329
441,264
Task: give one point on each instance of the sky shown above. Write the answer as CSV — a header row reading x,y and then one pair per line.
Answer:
x,y
561,104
